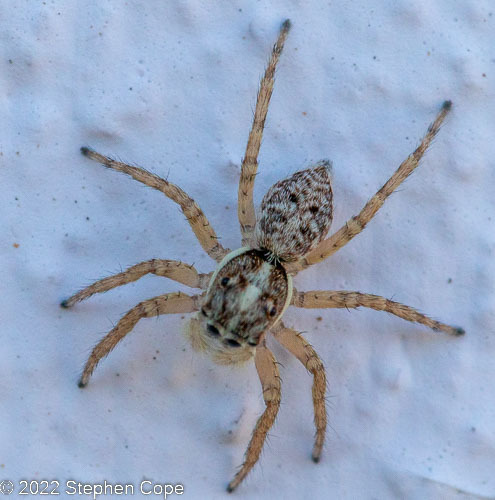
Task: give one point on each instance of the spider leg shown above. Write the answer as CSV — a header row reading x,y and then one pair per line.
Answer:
x,y
245,208
195,216
169,303
173,269
296,344
270,383
357,223
341,299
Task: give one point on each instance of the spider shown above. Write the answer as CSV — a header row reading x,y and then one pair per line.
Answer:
x,y
245,298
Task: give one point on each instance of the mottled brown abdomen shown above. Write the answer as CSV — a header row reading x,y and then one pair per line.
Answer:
x,y
296,213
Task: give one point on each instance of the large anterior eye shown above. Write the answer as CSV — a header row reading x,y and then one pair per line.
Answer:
x,y
233,343
213,330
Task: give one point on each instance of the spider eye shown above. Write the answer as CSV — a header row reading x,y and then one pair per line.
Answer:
x,y
233,343
252,343
270,310
213,330
203,312
224,281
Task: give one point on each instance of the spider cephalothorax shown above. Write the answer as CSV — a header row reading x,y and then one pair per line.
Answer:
x,y
245,298
247,295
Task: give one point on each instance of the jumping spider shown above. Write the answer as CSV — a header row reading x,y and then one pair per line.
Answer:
x,y
250,290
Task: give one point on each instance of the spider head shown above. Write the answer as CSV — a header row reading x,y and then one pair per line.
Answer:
x,y
247,295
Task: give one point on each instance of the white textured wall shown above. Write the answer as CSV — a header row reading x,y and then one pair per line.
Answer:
x,y
172,87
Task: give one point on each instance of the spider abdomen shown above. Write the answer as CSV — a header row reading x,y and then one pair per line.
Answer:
x,y
296,213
